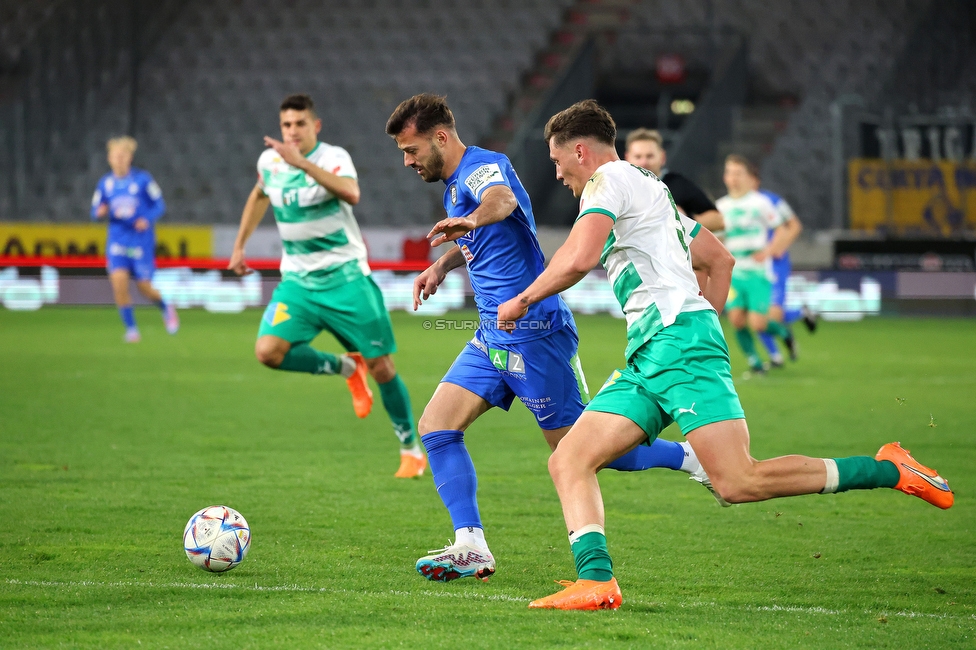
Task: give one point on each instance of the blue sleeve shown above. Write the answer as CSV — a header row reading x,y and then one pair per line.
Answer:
x,y
481,175
98,198
154,206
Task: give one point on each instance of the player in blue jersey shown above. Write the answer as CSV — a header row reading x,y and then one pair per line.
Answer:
x,y
490,220
133,202
782,267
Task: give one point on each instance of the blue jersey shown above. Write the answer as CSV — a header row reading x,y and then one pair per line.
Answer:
x,y
135,195
505,257
787,212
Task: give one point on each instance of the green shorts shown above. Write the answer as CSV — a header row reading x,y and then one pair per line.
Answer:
x,y
681,375
751,290
353,312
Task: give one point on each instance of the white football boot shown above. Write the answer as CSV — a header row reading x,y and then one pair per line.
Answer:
x,y
700,476
456,561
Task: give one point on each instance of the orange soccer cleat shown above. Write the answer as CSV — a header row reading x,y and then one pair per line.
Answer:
x,y
917,479
362,396
412,465
582,594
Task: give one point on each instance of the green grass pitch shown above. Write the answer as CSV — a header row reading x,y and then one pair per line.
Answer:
x,y
106,449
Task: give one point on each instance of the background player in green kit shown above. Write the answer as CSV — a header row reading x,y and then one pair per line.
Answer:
x,y
677,361
325,279
749,216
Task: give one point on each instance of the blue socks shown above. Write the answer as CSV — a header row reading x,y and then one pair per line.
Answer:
x,y
661,453
769,341
454,476
128,316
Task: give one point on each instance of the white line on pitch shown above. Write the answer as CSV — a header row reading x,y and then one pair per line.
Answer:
x,y
465,595
285,588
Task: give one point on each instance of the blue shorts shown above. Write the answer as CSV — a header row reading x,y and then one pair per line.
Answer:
x,y
139,261
545,374
781,273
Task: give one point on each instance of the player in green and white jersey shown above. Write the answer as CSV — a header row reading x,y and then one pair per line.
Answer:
x,y
677,361
749,216
325,278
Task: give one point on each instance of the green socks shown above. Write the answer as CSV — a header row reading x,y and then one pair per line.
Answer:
x,y
748,345
859,473
589,545
305,358
396,401
777,329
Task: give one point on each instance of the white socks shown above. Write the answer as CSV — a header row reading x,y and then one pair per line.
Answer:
x,y
833,476
346,366
690,464
416,452
589,528
472,537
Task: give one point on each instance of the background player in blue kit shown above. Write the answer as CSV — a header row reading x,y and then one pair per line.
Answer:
x,y
490,219
133,202
782,268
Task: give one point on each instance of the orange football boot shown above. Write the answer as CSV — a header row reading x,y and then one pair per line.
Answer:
x,y
362,396
582,594
411,465
917,479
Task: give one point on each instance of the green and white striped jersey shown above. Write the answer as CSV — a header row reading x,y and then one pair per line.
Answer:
x,y
646,256
322,246
748,219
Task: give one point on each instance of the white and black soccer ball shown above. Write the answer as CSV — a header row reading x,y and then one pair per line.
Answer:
x,y
217,538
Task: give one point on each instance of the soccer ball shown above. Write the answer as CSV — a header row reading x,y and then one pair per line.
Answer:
x,y
216,538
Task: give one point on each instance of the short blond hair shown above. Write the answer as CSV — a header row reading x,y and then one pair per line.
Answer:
x,y
126,141
644,134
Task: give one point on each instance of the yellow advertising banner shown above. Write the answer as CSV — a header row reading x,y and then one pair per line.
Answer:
x,y
912,197
69,240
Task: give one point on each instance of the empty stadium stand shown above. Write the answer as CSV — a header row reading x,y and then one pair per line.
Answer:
x,y
208,87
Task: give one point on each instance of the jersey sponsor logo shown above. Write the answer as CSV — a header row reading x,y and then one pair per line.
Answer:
x,y
133,188
504,360
499,358
482,177
468,255
516,363
276,313
123,207
453,193
132,252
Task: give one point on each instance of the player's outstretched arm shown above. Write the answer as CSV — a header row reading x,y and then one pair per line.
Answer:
x,y
344,187
425,285
711,219
99,208
571,263
497,203
784,236
254,209
153,208
713,265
